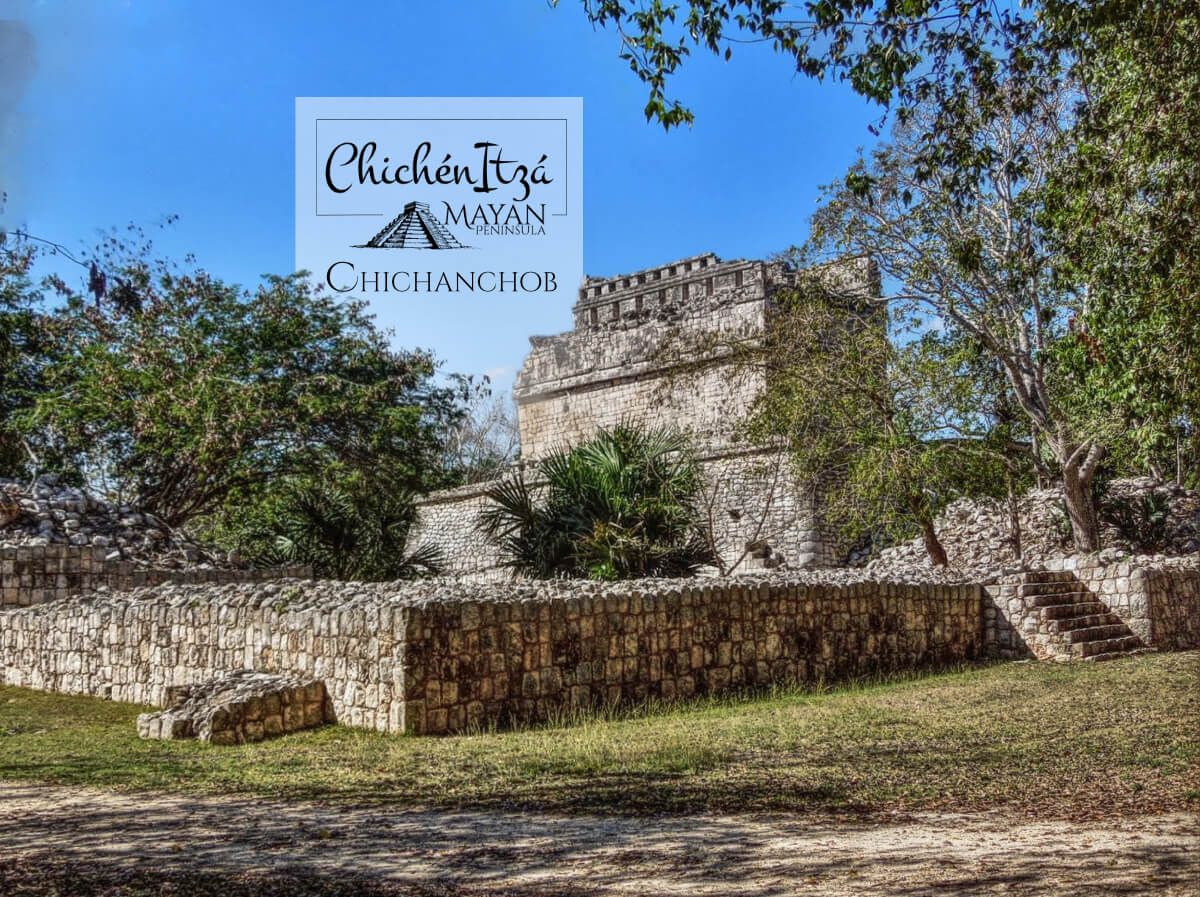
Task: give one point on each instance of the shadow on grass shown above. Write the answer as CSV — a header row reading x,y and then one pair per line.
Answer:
x,y
608,793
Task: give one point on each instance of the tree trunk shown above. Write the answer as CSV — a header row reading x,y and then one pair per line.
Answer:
x,y
1038,468
933,545
1080,507
1014,519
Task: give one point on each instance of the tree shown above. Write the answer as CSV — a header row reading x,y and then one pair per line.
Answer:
x,y
890,434
487,439
188,394
620,505
978,265
1121,208
25,339
907,54
1123,212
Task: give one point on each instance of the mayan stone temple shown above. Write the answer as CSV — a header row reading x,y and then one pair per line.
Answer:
x,y
656,347
100,599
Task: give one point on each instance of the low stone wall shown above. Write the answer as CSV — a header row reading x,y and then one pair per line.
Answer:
x,y
475,662
1157,597
35,574
438,656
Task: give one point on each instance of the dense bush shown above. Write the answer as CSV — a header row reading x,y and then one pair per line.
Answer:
x,y
345,528
622,504
1143,522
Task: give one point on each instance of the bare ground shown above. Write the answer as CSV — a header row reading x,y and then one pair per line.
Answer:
x,y
532,853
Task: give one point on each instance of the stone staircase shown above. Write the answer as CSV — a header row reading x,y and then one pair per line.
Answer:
x,y
1060,619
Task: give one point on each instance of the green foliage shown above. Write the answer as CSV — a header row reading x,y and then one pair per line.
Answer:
x,y
1143,523
894,432
1112,217
188,395
25,341
622,504
883,50
973,263
345,531
1122,212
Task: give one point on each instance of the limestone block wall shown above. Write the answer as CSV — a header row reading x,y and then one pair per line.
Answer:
x,y
438,656
761,518
1173,593
449,519
632,354
1157,597
478,662
139,646
33,574
707,405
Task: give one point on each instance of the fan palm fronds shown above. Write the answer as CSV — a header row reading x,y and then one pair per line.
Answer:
x,y
619,505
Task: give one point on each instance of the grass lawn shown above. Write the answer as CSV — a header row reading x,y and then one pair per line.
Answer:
x,y
1079,740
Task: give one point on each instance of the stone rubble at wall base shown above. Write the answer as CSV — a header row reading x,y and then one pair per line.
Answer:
x,y
238,708
976,532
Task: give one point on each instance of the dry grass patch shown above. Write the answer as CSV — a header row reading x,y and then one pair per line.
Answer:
x,y
1079,741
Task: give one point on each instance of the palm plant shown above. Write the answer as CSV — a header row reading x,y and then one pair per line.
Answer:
x,y
348,533
622,504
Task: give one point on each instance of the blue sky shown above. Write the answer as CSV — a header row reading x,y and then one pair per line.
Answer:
x,y
138,109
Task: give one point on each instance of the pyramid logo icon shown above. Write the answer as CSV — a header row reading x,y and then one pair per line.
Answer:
x,y
414,228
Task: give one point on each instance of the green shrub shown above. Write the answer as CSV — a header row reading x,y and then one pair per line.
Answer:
x,y
622,504
346,531
1143,523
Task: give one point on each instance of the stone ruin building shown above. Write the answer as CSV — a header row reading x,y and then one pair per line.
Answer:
x,y
656,347
90,604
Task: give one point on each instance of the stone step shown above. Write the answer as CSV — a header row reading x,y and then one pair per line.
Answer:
x,y
1069,624
1106,646
1027,589
1097,633
1049,576
1115,655
1076,597
1067,611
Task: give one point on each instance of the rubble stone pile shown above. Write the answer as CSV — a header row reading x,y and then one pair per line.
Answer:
x,y
978,539
326,595
47,513
243,706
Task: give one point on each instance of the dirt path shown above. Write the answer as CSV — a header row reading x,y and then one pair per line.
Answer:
x,y
529,852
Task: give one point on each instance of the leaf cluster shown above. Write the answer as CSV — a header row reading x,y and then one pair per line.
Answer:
x,y
343,528
621,504
892,432
198,391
